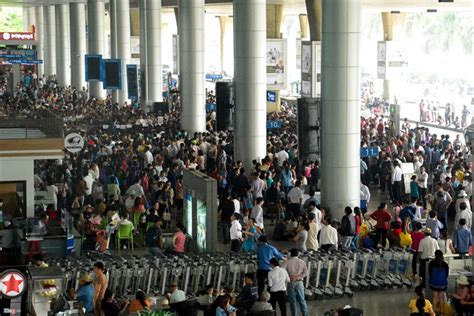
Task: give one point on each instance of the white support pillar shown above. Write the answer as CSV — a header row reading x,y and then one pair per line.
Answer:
x,y
77,15
123,44
113,40
96,34
153,51
39,38
26,19
191,61
143,58
63,45
250,80
49,41
340,130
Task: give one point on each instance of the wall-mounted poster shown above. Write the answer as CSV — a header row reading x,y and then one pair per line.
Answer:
x,y
276,64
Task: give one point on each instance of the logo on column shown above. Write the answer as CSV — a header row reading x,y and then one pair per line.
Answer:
x,y
6,36
12,284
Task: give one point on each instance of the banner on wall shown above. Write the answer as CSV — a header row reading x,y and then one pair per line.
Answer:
x,y
392,61
276,64
310,69
175,54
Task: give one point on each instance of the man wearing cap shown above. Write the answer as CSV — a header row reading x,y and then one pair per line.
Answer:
x,y
85,294
426,251
297,271
154,238
462,197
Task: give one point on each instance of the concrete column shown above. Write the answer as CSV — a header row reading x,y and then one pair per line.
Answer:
x,y
123,44
393,29
49,40
153,49
26,19
222,21
191,61
303,25
250,80
340,130
274,20
96,41
314,10
39,38
143,55
113,40
135,21
77,16
63,45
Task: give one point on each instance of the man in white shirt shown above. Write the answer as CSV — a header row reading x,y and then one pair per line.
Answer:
x,y
318,215
148,157
364,196
235,233
236,202
464,212
278,278
176,295
89,181
136,190
462,198
328,237
295,197
397,182
426,251
258,185
282,156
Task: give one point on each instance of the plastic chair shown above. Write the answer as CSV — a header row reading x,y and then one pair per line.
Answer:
x,y
149,225
136,219
124,232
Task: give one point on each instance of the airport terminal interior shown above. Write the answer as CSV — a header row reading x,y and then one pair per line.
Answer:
x,y
236,157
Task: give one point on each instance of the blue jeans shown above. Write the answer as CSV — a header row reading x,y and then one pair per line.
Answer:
x,y
296,295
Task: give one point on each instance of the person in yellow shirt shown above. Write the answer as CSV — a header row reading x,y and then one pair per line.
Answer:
x,y
419,306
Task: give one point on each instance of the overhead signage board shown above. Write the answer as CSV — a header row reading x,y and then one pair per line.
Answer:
x,y
274,124
369,152
112,74
17,36
94,67
132,82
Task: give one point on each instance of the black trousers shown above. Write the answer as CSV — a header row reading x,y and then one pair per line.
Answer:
x,y
380,235
397,191
261,278
414,262
280,298
235,245
423,271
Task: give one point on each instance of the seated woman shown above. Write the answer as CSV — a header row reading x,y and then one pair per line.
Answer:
x,y
110,306
140,303
224,308
467,305
419,306
462,294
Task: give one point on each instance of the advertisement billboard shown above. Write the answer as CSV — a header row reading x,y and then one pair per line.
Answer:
x,y
112,74
93,67
276,64
132,82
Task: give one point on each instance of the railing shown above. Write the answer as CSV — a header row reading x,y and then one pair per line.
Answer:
x,y
27,128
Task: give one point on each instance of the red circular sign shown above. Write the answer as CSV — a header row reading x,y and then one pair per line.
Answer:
x,y
12,283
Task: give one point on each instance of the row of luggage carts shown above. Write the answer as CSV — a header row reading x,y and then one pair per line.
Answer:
x,y
330,274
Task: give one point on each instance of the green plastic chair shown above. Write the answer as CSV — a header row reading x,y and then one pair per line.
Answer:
x,y
124,232
136,219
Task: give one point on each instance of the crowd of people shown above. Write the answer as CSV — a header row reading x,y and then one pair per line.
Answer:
x,y
130,173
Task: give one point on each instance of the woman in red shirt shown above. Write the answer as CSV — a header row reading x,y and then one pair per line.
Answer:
x,y
416,236
358,221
